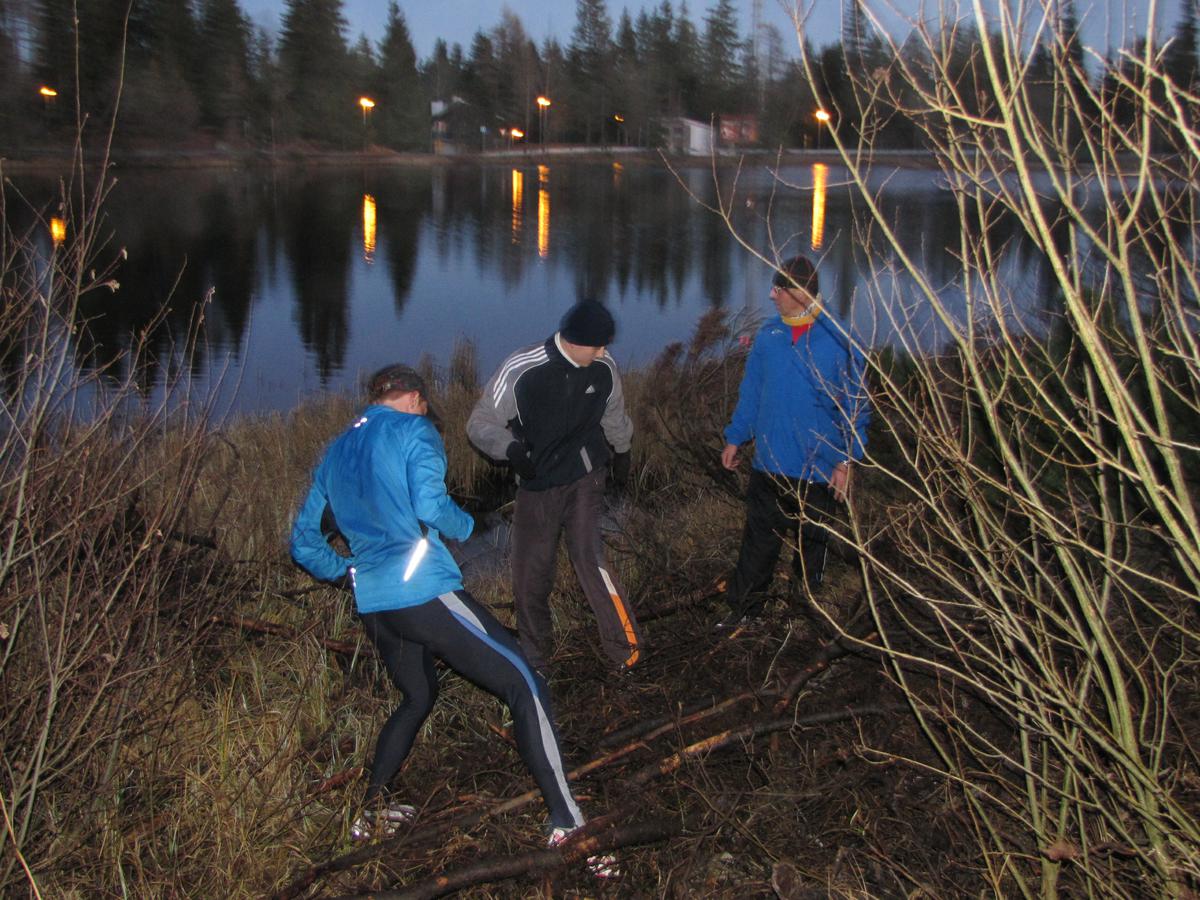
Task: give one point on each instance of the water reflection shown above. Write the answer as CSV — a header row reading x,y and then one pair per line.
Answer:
x,y
301,301
820,175
518,203
368,216
543,234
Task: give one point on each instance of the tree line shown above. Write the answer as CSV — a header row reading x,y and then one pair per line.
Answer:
x,y
186,71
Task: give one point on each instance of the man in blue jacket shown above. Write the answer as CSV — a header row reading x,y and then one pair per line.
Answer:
x,y
383,479
803,402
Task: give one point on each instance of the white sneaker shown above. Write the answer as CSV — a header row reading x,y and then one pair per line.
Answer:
x,y
602,866
384,823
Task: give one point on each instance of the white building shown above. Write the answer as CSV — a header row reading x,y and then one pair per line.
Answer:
x,y
690,136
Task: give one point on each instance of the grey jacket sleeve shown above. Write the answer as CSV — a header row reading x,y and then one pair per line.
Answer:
x,y
487,426
618,427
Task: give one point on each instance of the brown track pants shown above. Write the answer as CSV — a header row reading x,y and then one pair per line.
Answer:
x,y
575,508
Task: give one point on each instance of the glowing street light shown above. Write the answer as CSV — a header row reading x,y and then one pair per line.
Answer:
x,y
516,133
48,95
823,118
367,105
543,103
58,230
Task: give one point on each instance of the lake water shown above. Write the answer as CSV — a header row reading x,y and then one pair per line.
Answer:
x,y
318,277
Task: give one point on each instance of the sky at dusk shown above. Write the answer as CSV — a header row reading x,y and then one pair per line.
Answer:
x,y
1104,21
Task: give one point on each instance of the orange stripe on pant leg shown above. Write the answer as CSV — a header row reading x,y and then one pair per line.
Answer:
x,y
619,605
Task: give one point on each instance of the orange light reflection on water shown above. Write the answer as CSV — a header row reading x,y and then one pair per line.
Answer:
x,y
368,228
518,203
543,211
820,177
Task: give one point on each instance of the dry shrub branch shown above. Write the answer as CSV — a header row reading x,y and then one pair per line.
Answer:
x,y
101,605
1040,552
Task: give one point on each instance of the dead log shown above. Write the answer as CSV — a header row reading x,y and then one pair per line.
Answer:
x,y
689,714
502,868
834,650
336,781
672,763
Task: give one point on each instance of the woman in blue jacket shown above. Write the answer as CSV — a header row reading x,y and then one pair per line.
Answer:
x,y
384,481
803,402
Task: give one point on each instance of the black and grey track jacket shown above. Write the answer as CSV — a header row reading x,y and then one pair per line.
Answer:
x,y
566,415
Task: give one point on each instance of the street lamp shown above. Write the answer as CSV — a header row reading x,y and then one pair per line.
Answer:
x,y
48,95
367,105
620,120
822,119
543,103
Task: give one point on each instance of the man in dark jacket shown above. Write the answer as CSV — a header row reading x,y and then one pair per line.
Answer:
x,y
553,410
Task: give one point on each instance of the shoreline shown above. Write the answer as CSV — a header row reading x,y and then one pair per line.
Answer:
x,y
44,162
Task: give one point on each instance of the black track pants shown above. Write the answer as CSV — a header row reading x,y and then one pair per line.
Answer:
x,y
456,629
775,506
576,509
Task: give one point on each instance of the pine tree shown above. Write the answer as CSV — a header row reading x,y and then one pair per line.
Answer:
x,y
439,73
687,62
267,91
319,103
517,63
630,82
225,65
402,117
589,55
14,86
54,56
480,77
719,53
1181,62
1066,28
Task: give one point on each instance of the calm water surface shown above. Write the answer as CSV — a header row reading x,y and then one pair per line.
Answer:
x,y
315,278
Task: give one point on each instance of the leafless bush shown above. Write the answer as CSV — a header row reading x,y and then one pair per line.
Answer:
x,y
1040,556
100,599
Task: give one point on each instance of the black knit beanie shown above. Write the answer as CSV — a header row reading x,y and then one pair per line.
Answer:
x,y
797,271
588,324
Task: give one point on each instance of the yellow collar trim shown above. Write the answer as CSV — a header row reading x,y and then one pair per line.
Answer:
x,y
806,318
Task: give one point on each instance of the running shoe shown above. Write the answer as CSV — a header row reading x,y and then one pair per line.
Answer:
x,y
603,865
383,823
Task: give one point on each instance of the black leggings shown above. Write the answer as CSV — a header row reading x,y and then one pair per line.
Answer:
x,y
456,629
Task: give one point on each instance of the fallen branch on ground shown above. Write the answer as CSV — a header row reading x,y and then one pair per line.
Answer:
x,y
501,868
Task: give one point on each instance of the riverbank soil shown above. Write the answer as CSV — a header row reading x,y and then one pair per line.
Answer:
x,y
778,760
771,761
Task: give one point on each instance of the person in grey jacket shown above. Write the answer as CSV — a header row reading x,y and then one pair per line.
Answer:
x,y
555,411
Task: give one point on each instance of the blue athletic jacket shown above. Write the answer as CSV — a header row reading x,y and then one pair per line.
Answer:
x,y
383,477
805,405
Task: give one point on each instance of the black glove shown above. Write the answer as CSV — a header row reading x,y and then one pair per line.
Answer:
x,y
518,456
619,469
